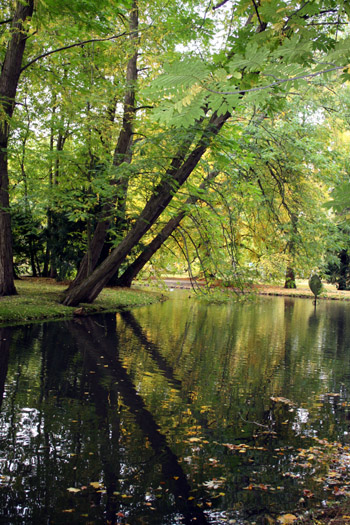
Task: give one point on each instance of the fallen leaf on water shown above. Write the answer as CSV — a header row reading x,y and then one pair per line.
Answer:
x,y
333,394
282,400
260,486
213,484
73,489
286,519
96,484
68,510
333,474
307,493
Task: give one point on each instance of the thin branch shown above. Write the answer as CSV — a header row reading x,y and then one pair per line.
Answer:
x,y
77,44
220,4
257,12
274,84
295,13
328,24
6,21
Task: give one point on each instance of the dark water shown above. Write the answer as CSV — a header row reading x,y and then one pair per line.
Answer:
x,y
164,415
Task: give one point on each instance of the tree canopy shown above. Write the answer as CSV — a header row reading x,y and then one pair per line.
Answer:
x,y
198,136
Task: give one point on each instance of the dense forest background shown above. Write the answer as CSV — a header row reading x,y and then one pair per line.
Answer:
x,y
143,137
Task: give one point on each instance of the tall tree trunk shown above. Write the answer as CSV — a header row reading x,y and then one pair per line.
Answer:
x,y
343,280
122,153
9,78
290,283
147,253
175,176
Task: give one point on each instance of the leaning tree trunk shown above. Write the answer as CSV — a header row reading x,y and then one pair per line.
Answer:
x,y
147,253
121,154
9,78
176,176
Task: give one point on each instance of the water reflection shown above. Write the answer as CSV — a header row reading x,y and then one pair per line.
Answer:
x,y
5,338
173,413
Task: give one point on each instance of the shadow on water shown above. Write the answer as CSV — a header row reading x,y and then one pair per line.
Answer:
x,y
171,414
87,362
91,337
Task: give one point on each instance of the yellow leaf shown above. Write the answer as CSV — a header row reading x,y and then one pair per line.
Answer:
x,y
72,489
96,484
286,519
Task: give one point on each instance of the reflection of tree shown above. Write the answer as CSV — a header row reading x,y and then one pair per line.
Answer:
x,y
109,426
5,338
151,347
91,337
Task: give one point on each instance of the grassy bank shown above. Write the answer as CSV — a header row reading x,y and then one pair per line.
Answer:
x,y
39,299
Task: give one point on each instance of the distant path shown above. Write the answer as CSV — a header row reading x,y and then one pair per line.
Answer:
x,y
302,289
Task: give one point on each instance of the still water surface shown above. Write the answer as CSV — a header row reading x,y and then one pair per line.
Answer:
x,y
163,415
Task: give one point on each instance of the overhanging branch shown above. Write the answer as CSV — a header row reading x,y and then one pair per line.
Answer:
x,y
276,83
77,44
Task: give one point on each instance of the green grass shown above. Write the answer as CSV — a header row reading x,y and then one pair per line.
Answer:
x,y
40,300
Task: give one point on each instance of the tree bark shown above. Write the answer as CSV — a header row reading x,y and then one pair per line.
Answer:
x,y
290,279
175,176
122,154
9,78
147,253
343,280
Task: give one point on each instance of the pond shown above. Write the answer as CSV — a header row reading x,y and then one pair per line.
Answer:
x,y
179,412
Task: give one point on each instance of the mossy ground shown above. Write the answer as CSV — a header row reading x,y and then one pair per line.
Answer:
x,y
39,299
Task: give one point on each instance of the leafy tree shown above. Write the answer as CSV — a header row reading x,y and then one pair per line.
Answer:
x,y
18,28
201,94
15,36
126,109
